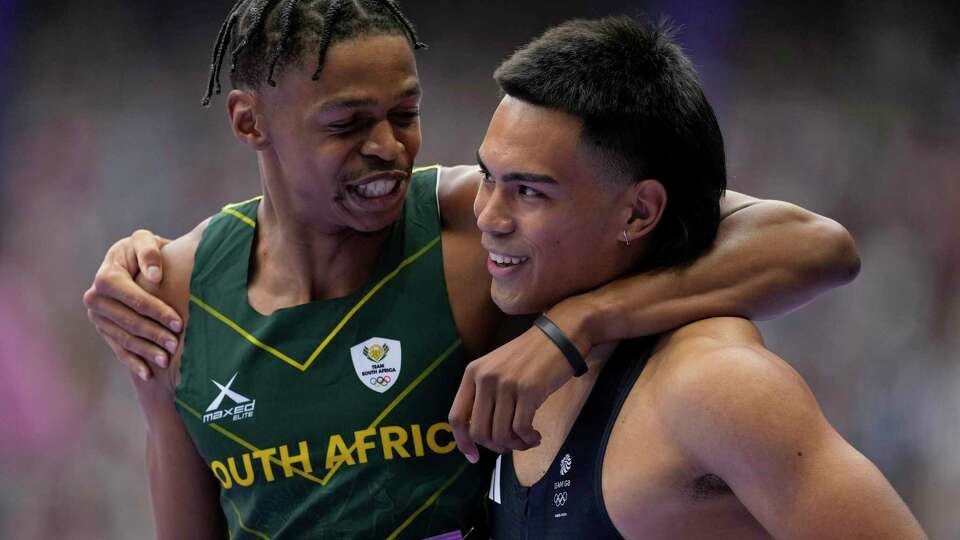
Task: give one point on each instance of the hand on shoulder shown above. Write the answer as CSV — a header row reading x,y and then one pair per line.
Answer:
x,y
177,263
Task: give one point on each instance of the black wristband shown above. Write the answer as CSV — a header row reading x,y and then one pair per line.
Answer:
x,y
562,342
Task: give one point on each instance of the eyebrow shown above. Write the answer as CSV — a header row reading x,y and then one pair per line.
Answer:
x,y
516,176
358,103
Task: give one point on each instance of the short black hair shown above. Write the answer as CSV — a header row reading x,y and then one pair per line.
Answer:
x,y
274,33
644,113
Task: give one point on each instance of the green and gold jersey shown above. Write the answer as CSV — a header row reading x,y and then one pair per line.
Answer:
x,y
328,420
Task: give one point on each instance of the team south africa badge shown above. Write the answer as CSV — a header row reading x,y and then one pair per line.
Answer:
x,y
377,362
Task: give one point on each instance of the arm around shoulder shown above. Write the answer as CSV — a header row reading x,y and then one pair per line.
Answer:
x,y
769,257
743,414
804,253
456,191
183,491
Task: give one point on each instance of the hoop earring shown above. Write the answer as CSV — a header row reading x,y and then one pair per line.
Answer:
x,y
625,239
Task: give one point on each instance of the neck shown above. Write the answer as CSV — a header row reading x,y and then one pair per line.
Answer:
x,y
299,260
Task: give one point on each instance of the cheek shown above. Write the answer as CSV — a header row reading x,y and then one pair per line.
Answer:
x,y
568,249
411,140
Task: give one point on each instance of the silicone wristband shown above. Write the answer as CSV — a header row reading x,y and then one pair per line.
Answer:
x,y
562,342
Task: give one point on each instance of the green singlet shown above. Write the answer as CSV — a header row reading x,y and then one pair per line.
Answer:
x,y
328,420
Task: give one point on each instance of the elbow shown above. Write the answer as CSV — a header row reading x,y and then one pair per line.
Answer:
x,y
838,262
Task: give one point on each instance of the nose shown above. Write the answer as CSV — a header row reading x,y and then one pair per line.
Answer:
x,y
382,142
493,211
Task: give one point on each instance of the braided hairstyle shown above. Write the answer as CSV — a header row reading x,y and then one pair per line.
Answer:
x,y
268,34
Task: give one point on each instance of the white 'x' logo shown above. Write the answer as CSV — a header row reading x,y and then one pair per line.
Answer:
x,y
225,391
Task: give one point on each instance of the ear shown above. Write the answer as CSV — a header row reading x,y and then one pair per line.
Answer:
x,y
649,199
246,119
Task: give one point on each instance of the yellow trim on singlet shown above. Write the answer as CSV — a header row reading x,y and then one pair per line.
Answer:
x,y
376,421
426,504
247,335
302,366
241,203
235,438
241,217
244,527
229,209
413,384
396,401
427,168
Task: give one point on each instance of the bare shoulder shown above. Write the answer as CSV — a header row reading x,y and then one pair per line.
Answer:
x,y
720,361
464,259
717,387
177,258
177,267
456,189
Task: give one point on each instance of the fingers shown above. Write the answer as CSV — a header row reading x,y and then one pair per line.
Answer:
x,y
129,343
481,418
131,322
134,363
501,431
119,285
490,410
523,423
459,417
146,247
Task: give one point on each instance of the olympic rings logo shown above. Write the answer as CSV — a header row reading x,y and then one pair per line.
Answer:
x,y
560,499
380,381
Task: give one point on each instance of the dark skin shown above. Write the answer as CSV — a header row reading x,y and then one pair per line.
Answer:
x,y
769,257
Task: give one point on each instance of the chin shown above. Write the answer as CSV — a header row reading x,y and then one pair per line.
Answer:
x,y
513,303
374,224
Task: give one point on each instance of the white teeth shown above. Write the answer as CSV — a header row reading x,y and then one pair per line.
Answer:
x,y
377,188
506,260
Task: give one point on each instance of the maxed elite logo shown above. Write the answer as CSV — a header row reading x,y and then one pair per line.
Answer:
x,y
377,363
243,407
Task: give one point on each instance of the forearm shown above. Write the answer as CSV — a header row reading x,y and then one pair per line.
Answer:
x,y
183,491
769,258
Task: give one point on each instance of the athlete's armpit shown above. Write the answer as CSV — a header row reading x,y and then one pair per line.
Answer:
x,y
744,415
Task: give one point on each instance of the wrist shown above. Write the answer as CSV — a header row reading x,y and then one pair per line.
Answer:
x,y
563,342
577,317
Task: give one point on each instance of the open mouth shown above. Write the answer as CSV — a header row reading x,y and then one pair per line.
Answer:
x,y
506,261
376,188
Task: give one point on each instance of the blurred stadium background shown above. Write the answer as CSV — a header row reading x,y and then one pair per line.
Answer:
x,y
849,108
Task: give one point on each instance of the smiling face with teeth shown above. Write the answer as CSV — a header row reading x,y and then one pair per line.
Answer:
x,y
337,152
552,223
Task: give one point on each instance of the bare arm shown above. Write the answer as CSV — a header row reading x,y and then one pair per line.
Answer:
x,y
743,414
141,329
184,492
769,257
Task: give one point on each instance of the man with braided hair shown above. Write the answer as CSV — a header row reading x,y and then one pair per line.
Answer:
x,y
327,322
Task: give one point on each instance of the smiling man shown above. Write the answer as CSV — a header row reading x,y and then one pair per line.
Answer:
x,y
596,169
326,323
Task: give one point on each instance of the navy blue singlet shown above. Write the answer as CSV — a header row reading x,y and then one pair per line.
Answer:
x,y
567,503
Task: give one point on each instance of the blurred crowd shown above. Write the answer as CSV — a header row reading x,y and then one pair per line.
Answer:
x,y
849,108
